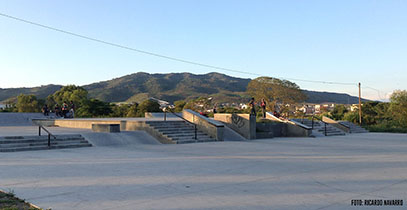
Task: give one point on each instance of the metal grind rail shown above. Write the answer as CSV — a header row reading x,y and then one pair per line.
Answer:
x,y
195,129
319,119
49,134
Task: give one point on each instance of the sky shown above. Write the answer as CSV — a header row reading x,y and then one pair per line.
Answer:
x,y
344,41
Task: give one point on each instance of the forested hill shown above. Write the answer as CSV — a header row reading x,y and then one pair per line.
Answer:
x,y
40,92
171,87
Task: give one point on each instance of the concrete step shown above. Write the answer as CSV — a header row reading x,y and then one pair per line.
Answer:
x,y
33,148
25,143
185,134
179,132
166,123
39,143
36,140
188,137
353,127
176,129
172,127
187,141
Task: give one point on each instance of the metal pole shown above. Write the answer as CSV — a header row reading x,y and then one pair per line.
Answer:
x,y
165,115
49,140
360,106
312,122
195,132
325,128
39,130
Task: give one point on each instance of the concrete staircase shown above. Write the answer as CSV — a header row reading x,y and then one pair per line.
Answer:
x,y
178,132
353,128
27,143
319,128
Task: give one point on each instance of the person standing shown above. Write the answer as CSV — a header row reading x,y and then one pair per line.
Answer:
x,y
57,111
72,110
263,107
64,109
45,110
252,105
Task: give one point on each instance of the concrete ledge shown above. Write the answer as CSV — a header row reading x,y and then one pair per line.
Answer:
x,y
81,123
335,124
160,115
212,128
108,128
294,129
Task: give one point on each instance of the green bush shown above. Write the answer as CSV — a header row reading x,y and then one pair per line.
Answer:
x,y
383,127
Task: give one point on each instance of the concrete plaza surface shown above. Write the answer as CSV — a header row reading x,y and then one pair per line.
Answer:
x,y
279,173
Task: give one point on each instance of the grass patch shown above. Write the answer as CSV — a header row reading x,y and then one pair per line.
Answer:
x,y
8,201
386,129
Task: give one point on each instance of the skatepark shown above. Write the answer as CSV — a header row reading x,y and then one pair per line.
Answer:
x,y
132,169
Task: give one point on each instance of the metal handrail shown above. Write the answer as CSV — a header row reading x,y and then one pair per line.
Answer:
x,y
320,119
195,129
49,134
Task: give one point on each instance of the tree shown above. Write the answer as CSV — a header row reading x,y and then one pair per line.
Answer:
x,y
148,106
275,91
28,103
133,111
338,112
120,110
398,107
94,108
66,94
179,105
351,117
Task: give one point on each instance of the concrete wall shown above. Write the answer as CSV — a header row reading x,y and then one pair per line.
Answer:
x,y
204,124
108,128
275,129
244,124
297,131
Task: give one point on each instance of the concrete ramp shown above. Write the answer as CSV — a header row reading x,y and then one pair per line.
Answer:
x,y
231,135
124,138
18,119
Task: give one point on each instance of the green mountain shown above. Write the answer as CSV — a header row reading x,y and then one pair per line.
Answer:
x,y
40,92
171,87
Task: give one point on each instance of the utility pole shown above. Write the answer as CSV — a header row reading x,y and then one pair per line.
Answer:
x,y
360,107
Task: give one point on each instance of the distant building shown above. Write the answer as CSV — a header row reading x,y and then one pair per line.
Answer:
x,y
354,107
307,109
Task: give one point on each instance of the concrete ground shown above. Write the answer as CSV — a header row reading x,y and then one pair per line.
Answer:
x,y
279,173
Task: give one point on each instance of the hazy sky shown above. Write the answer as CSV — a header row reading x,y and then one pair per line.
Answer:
x,y
341,41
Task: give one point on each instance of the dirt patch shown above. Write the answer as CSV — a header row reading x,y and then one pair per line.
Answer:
x,y
9,202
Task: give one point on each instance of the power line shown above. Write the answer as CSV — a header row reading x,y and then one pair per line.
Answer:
x,y
378,92
160,55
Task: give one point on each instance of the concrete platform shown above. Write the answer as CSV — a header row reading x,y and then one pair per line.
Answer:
x,y
279,173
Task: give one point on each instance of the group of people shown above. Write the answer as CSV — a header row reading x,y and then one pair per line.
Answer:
x,y
252,105
65,110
